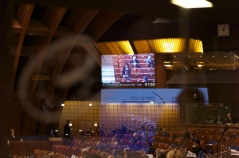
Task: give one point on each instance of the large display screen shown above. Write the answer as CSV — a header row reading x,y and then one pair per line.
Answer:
x,y
134,70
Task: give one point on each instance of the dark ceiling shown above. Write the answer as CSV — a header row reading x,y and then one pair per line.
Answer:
x,y
38,24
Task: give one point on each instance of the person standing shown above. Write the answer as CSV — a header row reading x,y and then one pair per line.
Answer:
x,y
67,134
126,72
13,136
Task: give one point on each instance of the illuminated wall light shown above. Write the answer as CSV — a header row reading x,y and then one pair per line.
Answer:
x,y
167,62
90,104
70,124
62,104
192,3
167,65
151,103
169,47
200,65
95,124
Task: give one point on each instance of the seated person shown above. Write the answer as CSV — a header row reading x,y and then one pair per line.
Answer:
x,y
134,62
219,119
230,120
149,61
151,149
145,79
196,146
126,72
134,140
174,153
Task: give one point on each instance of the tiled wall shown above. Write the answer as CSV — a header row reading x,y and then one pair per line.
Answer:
x,y
110,117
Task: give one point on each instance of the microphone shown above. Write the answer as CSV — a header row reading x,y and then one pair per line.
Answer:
x,y
232,138
225,128
224,131
220,140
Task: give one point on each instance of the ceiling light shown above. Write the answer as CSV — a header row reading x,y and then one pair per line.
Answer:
x,y
199,65
167,65
192,3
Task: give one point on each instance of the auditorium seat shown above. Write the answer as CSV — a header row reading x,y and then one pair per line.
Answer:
x,y
40,153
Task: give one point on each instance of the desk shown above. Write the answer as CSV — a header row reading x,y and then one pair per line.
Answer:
x,y
234,153
208,127
28,147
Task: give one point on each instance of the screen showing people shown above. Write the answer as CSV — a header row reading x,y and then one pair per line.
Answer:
x,y
128,70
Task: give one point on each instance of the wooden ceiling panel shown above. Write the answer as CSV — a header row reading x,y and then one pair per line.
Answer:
x,y
37,28
23,16
102,22
79,19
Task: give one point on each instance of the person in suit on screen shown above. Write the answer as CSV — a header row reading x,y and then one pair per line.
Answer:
x,y
145,79
134,62
149,61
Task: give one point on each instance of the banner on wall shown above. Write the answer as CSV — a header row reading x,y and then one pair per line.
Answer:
x,y
157,96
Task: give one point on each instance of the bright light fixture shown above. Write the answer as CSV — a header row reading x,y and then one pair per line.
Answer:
x,y
167,65
199,65
192,3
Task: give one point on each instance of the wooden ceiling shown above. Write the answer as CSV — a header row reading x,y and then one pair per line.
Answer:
x,y
37,25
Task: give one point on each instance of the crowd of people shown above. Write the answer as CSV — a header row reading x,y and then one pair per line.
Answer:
x,y
116,148
228,120
136,146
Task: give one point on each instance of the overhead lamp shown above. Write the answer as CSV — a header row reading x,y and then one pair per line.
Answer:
x,y
151,102
192,3
167,65
199,65
169,45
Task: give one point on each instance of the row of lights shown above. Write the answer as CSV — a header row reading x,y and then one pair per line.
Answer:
x,y
90,104
169,65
